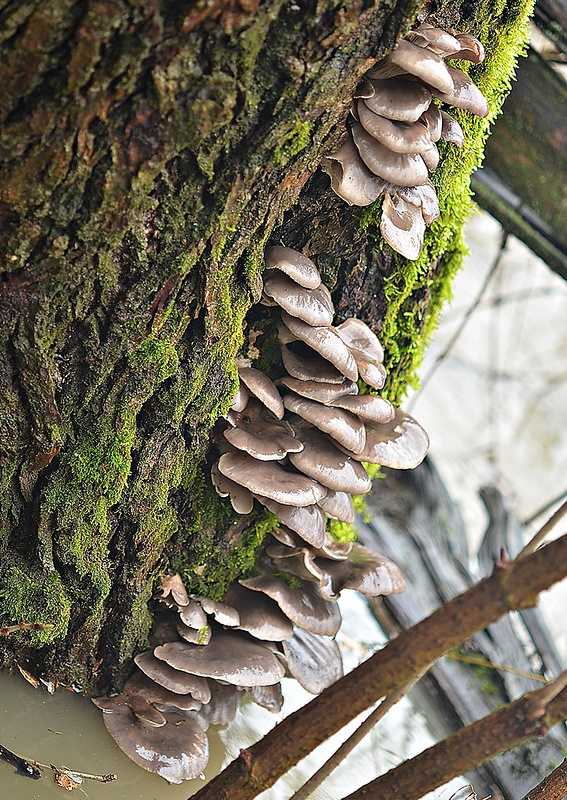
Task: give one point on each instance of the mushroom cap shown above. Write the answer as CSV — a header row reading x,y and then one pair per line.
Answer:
x,y
268,697
395,98
326,342
300,268
141,689
400,137
433,121
350,177
451,131
371,373
424,197
230,656
172,679
364,571
401,169
470,48
176,752
260,616
341,425
465,94
317,390
240,399
193,615
308,521
361,340
172,586
322,459
223,704
314,661
367,407
435,39
431,158
401,443
269,480
240,498
338,505
257,431
313,306
423,63
402,226
194,635
263,388
311,366
301,604
222,612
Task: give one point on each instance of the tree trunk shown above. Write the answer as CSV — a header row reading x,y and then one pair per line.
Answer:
x,y
149,151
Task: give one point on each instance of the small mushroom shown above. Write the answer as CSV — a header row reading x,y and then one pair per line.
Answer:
x,y
400,137
395,98
465,94
364,571
322,459
240,398
402,226
361,340
451,131
223,613
172,587
223,704
300,268
401,169
372,374
257,431
350,177
314,661
260,616
263,388
173,679
240,498
435,39
309,365
341,425
268,697
326,342
423,63
269,480
229,656
401,443
308,521
338,505
194,635
313,306
470,49
301,603
317,390
431,158
368,407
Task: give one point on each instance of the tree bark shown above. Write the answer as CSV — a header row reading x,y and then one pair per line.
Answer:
x,y
148,153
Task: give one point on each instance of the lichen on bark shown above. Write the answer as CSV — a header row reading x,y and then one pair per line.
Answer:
x,y
149,151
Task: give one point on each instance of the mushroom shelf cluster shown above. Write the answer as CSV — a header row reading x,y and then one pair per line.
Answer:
x,y
395,123
298,449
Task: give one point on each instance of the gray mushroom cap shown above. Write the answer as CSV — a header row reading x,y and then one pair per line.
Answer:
x,y
314,661
431,158
371,373
361,340
230,656
194,635
436,39
401,443
400,137
268,697
365,571
301,604
240,398
221,709
338,505
433,120
173,679
341,425
470,48
326,342
222,612
269,480
402,226
395,98
465,94
140,688
313,306
176,752
313,368
263,388
367,407
300,268
260,616
423,63
308,521
401,169
451,131
350,177
257,431
240,498
321,458
317,390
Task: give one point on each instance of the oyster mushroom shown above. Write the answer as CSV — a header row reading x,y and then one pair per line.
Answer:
x,y
322,459
313,306
268,697
263,388
423,63
402,226
326,342
300,268
257,431
400,137
401,443
309,365
465,94
350,177
395,98
173,679
401,169
260,616
317,390
308,521
341,425
240,498
314,661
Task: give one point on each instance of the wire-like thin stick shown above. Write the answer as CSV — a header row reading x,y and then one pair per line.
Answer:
x,y
544,509
363,729
536,540
470,311
483,662
28,764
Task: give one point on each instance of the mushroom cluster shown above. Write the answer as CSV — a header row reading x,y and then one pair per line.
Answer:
x,y
394,126
296,448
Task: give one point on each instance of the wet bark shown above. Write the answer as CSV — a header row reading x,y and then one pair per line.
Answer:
x,y
148,152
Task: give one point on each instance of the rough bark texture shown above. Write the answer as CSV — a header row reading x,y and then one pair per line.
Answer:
x,y
148,152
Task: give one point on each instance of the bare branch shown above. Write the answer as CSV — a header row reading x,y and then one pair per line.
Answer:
x,y
536,540
553,787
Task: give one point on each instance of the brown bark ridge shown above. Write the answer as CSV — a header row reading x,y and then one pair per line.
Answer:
x,y
553,787
147,152
511,586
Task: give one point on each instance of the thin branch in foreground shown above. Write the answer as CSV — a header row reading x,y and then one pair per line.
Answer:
x,y
512,586
530,716
484,662
553,787
348,746
538,538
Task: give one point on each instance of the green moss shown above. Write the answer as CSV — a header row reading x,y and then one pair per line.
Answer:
x,y
293,141
291,580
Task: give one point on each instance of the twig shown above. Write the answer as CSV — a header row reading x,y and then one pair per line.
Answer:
x,y
524,719
25,626
553,787
536,540
347,746
512,586
545,508
483,662
33,768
